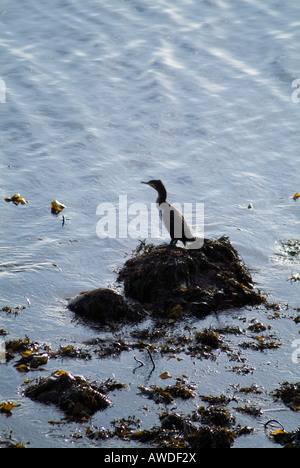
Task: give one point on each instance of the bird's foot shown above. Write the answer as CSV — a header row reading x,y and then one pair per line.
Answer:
x,y
173,243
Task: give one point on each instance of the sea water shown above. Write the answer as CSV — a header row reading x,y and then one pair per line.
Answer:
x,y
96,97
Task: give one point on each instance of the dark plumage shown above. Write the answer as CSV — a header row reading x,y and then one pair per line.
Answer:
x,y
174,221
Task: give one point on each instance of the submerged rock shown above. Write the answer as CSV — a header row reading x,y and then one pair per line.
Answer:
x,y
104,306
177,280
73,394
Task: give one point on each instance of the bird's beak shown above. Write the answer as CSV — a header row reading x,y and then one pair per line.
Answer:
x,y
149,183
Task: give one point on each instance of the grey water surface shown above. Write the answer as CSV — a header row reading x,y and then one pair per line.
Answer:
x,y
100,95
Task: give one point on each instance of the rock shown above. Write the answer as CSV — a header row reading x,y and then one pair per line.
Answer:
x,y
175,427
287,439
171,282
104,306
73,394
35,360
289,393
197,281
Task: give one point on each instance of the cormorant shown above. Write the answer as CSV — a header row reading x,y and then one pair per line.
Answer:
x,y
174,221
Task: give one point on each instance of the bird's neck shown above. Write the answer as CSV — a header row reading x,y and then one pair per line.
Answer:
x,y
162,196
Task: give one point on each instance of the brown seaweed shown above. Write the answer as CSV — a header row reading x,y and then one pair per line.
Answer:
x,y
176,281
72,394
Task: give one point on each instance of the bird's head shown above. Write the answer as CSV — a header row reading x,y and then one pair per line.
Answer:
x,y
156,184
160,188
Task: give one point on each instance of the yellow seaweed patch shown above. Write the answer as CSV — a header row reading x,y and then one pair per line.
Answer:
x,y
7,407
27,353
56,207
16,199
165,375
22,368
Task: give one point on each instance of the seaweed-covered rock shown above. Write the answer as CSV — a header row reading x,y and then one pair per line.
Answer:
x,y
287,439
216,416
166,395
185,280
73,394
289,393
176,429
104,306
172,281
212,437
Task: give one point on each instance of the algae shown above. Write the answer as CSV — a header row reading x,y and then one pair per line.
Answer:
x,y
105,306
287,439
174,431
178,281
289,393
216,416
166,395
172,282
72,394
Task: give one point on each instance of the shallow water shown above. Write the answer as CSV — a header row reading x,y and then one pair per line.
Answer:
x,y
102,95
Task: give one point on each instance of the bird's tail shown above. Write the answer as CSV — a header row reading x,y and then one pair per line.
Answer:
x,y
195,243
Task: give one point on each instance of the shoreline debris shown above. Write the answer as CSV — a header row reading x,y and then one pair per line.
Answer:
x,y
72,394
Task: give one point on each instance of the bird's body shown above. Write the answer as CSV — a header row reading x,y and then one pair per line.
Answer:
x,y
174,221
